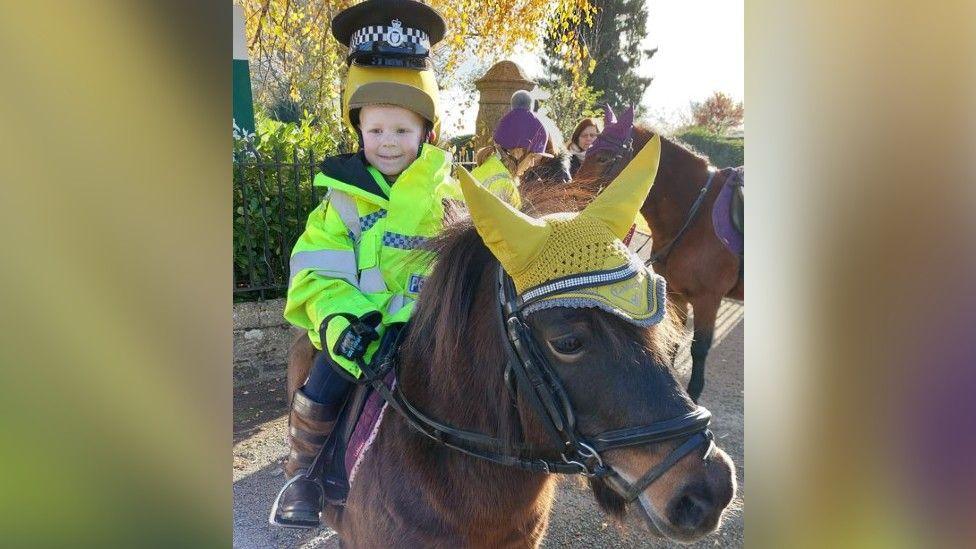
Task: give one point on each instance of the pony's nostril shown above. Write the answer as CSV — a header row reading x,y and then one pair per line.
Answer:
x,y
690,511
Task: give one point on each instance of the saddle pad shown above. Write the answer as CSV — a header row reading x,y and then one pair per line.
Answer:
x,y
722,214
367,426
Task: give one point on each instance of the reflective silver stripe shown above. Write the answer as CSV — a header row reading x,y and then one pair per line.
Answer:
x,y
331,263
398,302
496,177
371,281
345,206
600,278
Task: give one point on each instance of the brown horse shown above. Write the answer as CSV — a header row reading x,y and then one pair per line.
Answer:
x,y
699,269
412,492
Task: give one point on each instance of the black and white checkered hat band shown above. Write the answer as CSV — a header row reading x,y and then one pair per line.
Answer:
x,y
376,33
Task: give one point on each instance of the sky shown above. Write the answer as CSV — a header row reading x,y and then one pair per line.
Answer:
x,y
700,51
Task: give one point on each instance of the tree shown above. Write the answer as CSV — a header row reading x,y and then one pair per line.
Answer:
x,y
295,57
718,113
567,104
609,40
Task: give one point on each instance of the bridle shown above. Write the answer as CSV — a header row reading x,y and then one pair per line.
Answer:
x,y
530,373
624,151
619,148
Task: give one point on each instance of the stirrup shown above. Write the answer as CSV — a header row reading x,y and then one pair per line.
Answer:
x,y
275,519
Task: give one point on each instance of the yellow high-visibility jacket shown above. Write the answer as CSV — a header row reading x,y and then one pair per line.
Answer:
x,y
358,253
494,176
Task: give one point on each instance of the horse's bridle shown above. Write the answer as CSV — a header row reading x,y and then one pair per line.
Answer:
x,y
625,151
539,384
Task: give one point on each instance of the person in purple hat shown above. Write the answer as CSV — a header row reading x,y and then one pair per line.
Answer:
x,y
520,141
520,128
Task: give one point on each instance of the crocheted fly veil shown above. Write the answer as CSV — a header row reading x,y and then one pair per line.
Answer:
x,y
576,259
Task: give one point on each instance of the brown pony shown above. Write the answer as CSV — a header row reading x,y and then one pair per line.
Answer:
x,y
412,492
699,269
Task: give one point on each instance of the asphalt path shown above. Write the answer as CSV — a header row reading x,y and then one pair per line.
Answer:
x,y
576,520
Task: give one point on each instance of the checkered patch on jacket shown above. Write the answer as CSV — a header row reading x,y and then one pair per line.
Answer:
x,y
402,241
367,221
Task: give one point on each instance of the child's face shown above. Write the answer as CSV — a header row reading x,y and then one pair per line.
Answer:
x,y
391,137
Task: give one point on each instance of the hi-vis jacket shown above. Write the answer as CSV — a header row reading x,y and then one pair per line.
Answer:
x,y
494,176
358,252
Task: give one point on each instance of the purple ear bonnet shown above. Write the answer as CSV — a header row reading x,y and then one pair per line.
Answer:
x,y
615,132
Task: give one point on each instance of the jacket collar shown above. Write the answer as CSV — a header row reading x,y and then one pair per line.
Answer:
x,y
351,173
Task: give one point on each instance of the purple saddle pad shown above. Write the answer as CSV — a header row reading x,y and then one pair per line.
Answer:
x,y
722,213
366,428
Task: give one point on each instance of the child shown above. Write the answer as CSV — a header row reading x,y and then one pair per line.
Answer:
x,y
519,143
354,271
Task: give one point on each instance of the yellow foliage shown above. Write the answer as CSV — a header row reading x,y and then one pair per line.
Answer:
x,y
291,46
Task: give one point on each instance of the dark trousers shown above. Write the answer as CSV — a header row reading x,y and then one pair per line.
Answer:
x,y
325,386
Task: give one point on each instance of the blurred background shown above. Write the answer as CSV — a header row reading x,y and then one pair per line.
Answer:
x,y
115,345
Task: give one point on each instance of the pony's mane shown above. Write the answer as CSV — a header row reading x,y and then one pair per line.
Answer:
x,y
684,150
438,328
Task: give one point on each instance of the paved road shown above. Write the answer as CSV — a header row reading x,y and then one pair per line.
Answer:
x,y
576,520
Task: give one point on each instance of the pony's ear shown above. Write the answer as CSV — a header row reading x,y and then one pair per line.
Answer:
x,y
627,117
608,116
620,202
513,237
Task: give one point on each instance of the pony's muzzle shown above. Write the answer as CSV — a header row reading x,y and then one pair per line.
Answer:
x,y
687,502
695,508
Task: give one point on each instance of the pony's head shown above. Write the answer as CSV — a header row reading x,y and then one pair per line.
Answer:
x,y
599,319
614,143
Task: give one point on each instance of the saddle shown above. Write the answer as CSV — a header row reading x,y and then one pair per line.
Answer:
x,y
355,429
332,472
737,210
728,219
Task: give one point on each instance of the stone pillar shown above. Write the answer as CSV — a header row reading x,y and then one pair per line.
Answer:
x,y
495,91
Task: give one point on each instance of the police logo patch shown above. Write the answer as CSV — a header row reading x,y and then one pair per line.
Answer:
x,y
394,34
416,283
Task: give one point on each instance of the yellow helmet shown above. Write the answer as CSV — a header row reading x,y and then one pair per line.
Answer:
x,y
390,41
422,81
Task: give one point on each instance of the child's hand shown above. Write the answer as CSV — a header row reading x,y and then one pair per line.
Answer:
x,y
356,338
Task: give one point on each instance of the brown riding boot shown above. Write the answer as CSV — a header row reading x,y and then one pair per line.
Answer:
x,y
300,502
309,426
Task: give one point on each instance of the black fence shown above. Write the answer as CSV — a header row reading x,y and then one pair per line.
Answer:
x,y
273,195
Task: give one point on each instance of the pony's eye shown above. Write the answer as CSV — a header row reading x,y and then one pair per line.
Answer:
x,y
566,345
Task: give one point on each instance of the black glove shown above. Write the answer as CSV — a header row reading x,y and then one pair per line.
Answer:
x,y
354,340
383,359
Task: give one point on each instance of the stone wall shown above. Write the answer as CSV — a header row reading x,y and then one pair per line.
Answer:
x,y
261,341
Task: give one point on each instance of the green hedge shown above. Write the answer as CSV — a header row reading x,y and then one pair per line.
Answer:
x,y
722,151
272,196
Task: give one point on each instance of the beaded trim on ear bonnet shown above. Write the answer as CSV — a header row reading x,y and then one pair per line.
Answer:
x,y
576,259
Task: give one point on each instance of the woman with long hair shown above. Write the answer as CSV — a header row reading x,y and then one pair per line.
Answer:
x,y
583,136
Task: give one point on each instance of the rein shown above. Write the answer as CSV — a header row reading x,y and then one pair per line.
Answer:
x,y
538,382
663,253
621,149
